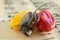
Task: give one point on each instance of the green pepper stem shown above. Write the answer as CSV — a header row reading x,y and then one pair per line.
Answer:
x,y
39,7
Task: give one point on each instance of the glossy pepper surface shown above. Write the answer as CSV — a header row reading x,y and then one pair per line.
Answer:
x,y
46,22
17,20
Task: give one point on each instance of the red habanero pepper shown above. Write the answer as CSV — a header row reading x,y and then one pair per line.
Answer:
x,y
46,21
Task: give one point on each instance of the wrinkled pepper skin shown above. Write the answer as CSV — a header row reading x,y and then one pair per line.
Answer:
x,y
24,21
46,22
17,20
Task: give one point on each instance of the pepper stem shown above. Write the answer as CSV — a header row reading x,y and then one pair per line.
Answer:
x,y
39,7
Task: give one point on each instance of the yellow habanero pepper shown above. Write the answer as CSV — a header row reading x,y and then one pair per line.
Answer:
x,y
17,20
